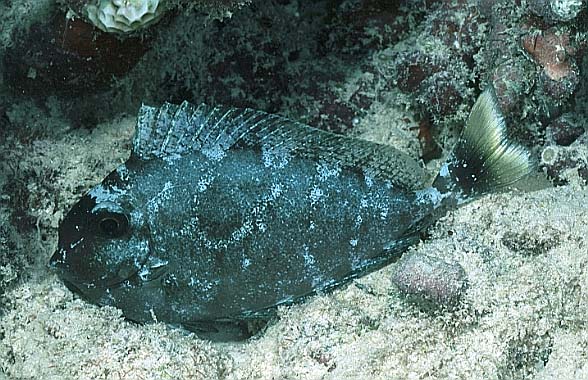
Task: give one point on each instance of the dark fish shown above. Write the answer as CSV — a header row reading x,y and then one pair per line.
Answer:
x,y
221,214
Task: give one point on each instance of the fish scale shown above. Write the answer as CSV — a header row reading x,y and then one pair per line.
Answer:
x,y
221,214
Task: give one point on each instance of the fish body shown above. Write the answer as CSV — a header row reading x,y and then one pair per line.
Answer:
x,y
222,214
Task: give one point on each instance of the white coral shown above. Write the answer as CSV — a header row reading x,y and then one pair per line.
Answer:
x,y
124,16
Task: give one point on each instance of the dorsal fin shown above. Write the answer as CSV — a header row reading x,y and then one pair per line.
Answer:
x,y
173,130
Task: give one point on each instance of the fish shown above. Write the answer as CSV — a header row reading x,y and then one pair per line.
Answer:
x,y
222,214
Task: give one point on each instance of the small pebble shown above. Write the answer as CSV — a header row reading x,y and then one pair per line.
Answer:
x,y
430,281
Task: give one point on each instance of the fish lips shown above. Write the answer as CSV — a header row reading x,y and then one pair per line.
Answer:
x,y
87,290
59,263
75,271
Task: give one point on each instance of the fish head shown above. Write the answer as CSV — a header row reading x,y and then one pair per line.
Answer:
x,y
103,240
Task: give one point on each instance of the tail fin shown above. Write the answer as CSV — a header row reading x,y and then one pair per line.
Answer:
x,y
483,159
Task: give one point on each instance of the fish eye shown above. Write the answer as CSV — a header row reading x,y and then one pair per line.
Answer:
x,y
113,225
112,220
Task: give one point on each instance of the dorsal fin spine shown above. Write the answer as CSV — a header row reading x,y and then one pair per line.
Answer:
x,y
242,124
267,124
195,121
173,131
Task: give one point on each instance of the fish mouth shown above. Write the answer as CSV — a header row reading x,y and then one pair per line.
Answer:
x,y
58,264
90,291
83,267
56,259
88,288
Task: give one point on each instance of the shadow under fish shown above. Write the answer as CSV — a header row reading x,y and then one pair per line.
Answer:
x,y
221,214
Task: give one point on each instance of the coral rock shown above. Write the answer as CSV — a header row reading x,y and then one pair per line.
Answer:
x,y
560,89
564,130
512,81
562,164
556,10
69,57
551,51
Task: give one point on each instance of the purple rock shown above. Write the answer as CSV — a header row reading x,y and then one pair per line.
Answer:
x,y
430,280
